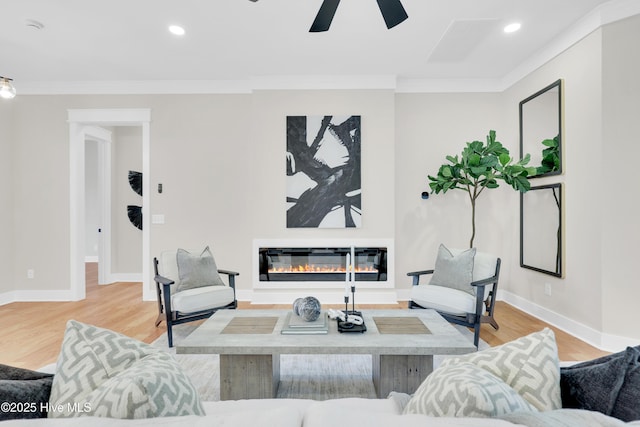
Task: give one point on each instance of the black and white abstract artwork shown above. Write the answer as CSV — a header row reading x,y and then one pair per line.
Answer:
x,y
323,172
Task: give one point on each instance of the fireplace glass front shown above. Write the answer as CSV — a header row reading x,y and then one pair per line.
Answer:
x,y
327,264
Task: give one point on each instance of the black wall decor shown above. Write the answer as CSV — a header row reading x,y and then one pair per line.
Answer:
x,y
135,212
135,181
323,172
135,215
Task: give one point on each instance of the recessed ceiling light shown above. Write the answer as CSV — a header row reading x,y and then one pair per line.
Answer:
x,y
177,30
511,28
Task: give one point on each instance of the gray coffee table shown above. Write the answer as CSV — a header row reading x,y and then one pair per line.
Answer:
x,y
402,344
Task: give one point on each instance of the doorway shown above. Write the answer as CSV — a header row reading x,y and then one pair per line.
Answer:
x,y
98,142
81,123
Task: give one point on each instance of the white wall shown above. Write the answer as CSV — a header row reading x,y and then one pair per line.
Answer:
x,y
40,186
126,239
428,128
580,67
6,192
619,195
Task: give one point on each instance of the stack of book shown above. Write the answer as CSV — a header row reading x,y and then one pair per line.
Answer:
x,y
295,325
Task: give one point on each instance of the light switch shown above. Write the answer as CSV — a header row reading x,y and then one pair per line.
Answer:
x,y
157,219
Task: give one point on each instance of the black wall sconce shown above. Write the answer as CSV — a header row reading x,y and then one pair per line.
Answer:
x,y
425,195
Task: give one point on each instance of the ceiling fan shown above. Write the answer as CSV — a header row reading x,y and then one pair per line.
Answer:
x,y
392,12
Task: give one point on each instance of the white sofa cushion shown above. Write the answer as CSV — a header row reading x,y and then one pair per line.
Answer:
x,y
106,374
382,413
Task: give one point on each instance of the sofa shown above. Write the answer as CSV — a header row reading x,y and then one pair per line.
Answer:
x,y
106,379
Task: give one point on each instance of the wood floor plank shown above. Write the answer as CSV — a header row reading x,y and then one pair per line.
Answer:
x,y
32,332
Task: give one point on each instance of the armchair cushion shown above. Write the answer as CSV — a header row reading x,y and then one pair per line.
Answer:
x,y
197,270
454,271
202,298
443,299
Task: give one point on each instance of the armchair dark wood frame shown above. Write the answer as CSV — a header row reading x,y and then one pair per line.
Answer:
x,y
471,320
163,288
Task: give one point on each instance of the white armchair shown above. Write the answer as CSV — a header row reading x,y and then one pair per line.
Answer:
x,y
462,289
189,287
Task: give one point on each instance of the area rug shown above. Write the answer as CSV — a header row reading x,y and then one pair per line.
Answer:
x,y
318,377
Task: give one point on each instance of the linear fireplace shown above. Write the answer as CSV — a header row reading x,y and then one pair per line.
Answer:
x,y
325,264
286,269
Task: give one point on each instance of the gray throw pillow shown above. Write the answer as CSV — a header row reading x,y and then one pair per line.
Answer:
x,y
196,271
454,271
627,407
27,392
608,385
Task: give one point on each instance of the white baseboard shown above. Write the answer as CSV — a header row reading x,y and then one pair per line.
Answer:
x,y
35,296
601,340
125,277
91,258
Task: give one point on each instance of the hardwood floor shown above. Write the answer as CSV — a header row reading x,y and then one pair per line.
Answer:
x,y
32,332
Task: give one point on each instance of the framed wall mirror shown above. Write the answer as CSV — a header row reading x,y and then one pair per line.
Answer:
x,y
541,129
541,238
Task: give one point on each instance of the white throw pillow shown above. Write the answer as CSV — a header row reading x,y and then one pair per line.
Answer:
x,y
465,390
103,373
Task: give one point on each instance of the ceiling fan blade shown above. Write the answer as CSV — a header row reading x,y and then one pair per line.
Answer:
x,y
392,12
324,16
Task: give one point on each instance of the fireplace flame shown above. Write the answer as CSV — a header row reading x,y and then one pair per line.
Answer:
x,y
310,268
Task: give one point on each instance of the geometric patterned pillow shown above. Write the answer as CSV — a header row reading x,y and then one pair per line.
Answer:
x,y
528,364
103,373
465,390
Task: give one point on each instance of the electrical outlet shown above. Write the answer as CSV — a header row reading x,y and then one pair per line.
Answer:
x,y
31,273
547,289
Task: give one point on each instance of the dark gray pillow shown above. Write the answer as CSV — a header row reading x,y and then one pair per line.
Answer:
x,y
196,271
27,393
609,384
454,271
627,407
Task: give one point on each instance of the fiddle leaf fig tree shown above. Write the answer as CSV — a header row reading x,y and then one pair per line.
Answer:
x,y
481,166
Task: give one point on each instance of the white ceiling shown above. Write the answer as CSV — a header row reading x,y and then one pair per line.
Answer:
x,y
89,44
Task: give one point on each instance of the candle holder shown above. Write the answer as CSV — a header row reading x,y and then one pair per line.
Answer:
x,y
353,299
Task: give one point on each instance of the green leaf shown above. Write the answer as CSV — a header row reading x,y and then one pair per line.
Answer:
x,y
504,159
474,159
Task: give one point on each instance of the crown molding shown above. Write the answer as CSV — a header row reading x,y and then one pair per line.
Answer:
x,y
135,87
